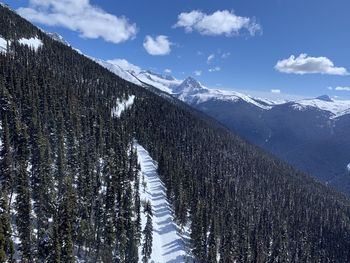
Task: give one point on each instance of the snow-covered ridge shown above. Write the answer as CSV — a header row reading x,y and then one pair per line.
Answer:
x,y
122,105
336,107
164,83
117,70
168,244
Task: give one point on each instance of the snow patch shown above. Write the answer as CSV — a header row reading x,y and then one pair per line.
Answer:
x,y
122,105
168,244
34,42
3,45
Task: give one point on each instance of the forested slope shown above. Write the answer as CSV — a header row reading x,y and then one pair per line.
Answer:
x,y
69,177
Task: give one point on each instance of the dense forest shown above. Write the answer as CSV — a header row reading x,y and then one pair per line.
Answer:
x,y
69,174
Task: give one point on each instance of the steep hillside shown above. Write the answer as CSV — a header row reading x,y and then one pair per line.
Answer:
x,y
70,179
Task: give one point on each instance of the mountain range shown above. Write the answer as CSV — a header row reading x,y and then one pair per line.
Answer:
x,y
311,134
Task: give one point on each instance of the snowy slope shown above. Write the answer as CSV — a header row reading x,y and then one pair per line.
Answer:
x,y
336,107
116,69
168,244
164,83
3,45
33,42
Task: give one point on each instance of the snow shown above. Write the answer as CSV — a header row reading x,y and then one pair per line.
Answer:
x,y
168,244
336,107
117,70
122,105
34,42
3,45
193,92
160,82
135,74
348,167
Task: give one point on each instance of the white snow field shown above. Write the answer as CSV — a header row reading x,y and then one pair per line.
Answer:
x,y
33,42
169,246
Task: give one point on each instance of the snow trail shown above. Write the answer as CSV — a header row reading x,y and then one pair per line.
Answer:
x,y
169,246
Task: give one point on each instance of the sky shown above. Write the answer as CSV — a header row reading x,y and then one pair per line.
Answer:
x,y
271,47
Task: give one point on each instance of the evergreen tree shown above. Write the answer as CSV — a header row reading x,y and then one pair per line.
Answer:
x,y
147,234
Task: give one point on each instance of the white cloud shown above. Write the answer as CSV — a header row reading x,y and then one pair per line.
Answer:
x,y
276,91
167,71
330,88
342,88
303,64
214,69
125,65
218,23
226,55
80,16
210,58
157,46
198,73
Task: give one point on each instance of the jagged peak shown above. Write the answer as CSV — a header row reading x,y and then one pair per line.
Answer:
x,y
189,85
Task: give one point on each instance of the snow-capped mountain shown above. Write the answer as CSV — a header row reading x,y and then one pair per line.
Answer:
x,y
193,92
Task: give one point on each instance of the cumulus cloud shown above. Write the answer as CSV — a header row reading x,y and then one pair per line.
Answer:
x,y
198,73
80,16
221,22
276,91
342,89
167,71
214,69
304,64
210,58
157,46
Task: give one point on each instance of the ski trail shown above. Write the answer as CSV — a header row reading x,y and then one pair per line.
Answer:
x,y
168,245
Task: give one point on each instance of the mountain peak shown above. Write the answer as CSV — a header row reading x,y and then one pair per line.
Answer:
x,y
324,98
189,86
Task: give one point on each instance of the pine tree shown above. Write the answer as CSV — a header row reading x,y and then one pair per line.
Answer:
x,y
147,234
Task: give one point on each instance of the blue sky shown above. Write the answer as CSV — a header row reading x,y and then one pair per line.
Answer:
x,y
245,39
